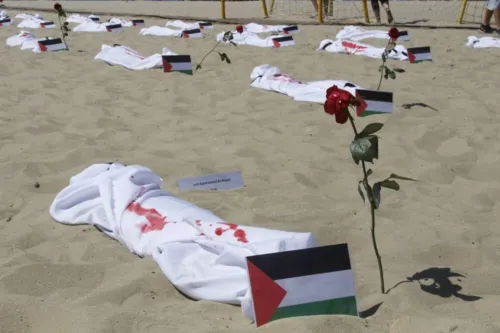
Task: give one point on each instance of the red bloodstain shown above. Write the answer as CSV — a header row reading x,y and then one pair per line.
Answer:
x,y
239,234
155,222
286,78
353,46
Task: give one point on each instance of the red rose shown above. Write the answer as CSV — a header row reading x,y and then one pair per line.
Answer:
x,y
337,103
57,6
239,28
394,34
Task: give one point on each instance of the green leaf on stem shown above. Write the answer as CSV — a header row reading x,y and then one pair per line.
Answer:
x,y
394,176
65,34
392,75
399,70
198,67
368,173
370,129
381,68
384,57
364,149
386,75
377,187
360,191
390,184
65,23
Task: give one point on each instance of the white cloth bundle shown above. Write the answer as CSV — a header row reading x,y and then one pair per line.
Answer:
x,y
259,28
160,31
24,16
77,18
482,42
356,33
269,78
200,254
3,15
249,38
90,26
351,47
33,22
26,40
184,25
123,22
124,56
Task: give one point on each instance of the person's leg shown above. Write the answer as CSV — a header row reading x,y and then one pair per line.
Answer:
x,y
491,5
496,13
376,10
385,4
315,5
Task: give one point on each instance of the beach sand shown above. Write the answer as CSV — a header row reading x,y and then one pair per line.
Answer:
x,y
62,112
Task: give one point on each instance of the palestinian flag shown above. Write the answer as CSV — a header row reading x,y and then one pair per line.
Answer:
x,y
304,282
114,28
177,63
290,30
138,23
403,36
373,102
283,41
51,45
5,21
94,18
205,25
193,33
419,54
47,25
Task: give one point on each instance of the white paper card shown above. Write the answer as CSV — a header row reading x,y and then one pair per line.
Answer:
x,y
214,182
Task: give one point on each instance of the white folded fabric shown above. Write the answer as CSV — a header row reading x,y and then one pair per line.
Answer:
x,y
124,56
248,38
3,15
482,42
356,33
200,254
351,47
160,31
270,78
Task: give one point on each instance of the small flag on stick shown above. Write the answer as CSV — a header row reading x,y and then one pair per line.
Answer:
x,y
283,41
193,33
373,102
419,54
290,30
114,28
138,23
205,25
177,63
51,45
403,36
5,21
314,281
47,25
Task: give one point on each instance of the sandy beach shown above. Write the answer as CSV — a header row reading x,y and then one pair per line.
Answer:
x,y
64,111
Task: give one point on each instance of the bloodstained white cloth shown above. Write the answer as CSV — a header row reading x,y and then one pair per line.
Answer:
x,y
270,78
482,42
201,254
